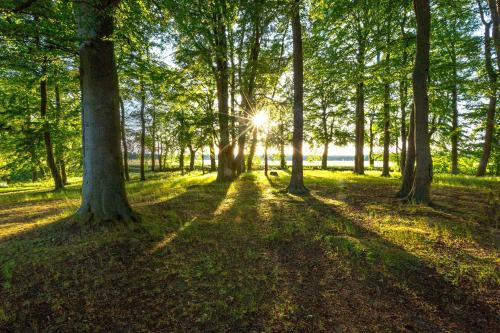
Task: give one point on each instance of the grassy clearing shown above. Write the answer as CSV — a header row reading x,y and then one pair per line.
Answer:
x,y
246,256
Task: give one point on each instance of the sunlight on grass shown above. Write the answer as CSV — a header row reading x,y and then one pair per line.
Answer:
x,y
170,237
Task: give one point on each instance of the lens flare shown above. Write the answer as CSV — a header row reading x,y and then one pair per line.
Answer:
x,y
260,119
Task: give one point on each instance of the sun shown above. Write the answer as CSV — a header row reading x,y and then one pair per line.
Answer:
x,y
260,119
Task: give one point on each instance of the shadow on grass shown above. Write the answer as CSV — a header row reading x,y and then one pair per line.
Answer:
x,y
335,264
55,278
227,257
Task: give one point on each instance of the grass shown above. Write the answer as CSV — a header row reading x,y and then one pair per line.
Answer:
x,y
246,256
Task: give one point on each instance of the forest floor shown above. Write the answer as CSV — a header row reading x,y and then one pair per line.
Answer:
x,y
248,257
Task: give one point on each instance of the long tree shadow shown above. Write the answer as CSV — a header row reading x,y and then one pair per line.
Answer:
x,y
59,278
216,274
418,297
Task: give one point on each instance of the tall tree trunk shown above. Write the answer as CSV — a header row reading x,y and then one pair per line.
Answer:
x,y
143,130
103,189
266,147
493,77
297,178
454,131
282,155
192,156
153,144
326,136
124,141
181,160
387,124
324,158
409,167
62,168
403,96
160,153
495,19
251,154
59,150
213,164
421,191
58,184
225,169
371,157
359,159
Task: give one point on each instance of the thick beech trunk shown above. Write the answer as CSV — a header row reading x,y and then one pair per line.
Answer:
x,y
493,91
143,131
421,191
296,185
58,183
103,189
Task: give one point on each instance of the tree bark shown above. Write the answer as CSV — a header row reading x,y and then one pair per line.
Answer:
x,y
103,189
409,167
251,154
143,130
160,153
359,159
266,146
225,169
423,173
387,124
282,156
59,150
495,19
403,95
126,174
58,183
454,130
192,156
492,105
181,160
213,164
296,185
371,158
324,158
153,143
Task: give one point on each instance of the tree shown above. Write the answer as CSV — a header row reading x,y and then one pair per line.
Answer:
x,y
103,189
423,173
296,185
493,77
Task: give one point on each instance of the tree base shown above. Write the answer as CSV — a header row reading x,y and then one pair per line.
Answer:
x,y
297,190
86,216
